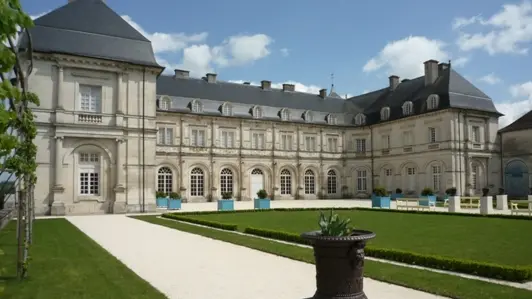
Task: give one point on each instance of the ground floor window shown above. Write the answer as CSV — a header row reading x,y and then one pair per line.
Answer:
x,y
89,182
226,181
362,180
164,180
332,182
286,182
197,181
310,182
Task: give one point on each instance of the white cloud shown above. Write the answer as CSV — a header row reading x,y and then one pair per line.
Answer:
x,y
508,31
515,109
460,61
490,79
522,90
285,52
241,50
405,57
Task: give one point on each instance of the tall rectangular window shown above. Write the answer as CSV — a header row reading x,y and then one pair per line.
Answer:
x,y
89,174
258,140
408,138
90,98
386,141
197,137
436,177
332,144
165,136
432,135
227,139
476,134
361,145
310,143
286,142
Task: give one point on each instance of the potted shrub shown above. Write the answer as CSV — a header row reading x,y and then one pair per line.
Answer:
x,y
174,201
380,198
398,193
453,199
262,201
486,202
339,258
161,199
427,197
227,202
485,191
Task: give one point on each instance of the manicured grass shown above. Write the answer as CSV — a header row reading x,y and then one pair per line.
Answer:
x,y
65,263
441,284
492,240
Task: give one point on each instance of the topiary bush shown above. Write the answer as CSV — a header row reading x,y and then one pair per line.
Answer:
x,y
227,195
262,194
427,192
380,191
451,191
160,194
398,190
174,195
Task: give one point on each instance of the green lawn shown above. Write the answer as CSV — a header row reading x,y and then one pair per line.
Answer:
x,y
66,264
441,284
493,240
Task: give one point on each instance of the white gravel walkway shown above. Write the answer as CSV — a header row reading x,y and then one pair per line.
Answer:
x,y
188,266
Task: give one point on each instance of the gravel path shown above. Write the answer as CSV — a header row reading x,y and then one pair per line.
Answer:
x,y
188,266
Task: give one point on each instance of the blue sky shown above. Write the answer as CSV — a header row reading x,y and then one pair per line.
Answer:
x,y
361,42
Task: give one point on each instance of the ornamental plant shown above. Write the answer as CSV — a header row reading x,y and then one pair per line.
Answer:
x,y
227,195
262,194
174,195
427,192
333,226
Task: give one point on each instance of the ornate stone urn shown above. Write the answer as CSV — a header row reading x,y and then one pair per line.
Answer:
x,y
339,264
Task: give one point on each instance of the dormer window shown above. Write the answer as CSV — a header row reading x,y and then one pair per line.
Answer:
x,y
227,109
308,116
164,103
196,106
385,113
332,119
256,112
360,119
408,108
433,101
285,114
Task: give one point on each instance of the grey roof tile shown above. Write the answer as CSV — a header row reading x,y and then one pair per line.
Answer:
x,y
522,123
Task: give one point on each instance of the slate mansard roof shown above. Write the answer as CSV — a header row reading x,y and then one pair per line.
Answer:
x,y
522,123
89,28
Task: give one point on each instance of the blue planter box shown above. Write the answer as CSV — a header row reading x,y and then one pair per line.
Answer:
x,y
174,204
226,205
397,195
162,202
427,200
380,202
261,203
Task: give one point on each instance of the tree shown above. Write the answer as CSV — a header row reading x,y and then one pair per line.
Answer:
x,y
17,126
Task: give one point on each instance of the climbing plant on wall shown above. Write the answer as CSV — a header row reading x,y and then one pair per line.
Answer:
x,y
17,125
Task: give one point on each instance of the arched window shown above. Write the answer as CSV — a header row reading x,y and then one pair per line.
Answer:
x,y
257,112
256,171
360,119
308,116
226,181
196,106
165,180
227,109
285,114
436,177
332,182
310,182
408,108
332,119
197,181
89,173
286,182
432,101
385,113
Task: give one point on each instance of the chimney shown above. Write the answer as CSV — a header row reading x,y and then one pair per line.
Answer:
x,y
288,87
431,71
181,74
394,81
442,67
211,77
323,93
265,84
247,83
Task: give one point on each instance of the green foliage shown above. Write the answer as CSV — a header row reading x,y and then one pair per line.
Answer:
x,y
224,226
427,192
333,226
398,191
262,194
227,195
380,191
451,191
174,195
160,194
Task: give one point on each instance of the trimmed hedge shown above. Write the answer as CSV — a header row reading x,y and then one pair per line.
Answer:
x,y
515,217
489,270
224,226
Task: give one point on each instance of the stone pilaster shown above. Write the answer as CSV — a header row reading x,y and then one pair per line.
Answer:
x,y
58,206
60,96
120,205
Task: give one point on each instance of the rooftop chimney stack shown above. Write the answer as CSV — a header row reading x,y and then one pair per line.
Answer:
x,y
323,93
394,82
211,77
288,87
265,84
181,74
431,71
442,67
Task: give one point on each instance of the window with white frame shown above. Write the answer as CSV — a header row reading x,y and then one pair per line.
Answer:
x,y
310,143
432,101
286,182
164,103
197,137
332,119
308,116
89,174
436,177
411,178
285,114
226,181
385,141
362,180
332,144
257,112
475,132
408,108
227,109
360,119
90,98
432,135
361,145
310,182
227,139
165,180
388,178
165,135
408,138
385,113
197,182
332,182
257,140
286,142
474,177
196,106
